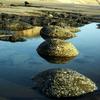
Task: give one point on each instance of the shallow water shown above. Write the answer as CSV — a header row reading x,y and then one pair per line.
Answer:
x,y
19,62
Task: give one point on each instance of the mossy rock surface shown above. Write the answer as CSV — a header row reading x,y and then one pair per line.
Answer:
x,y
57,48
49,32
61,82
14,25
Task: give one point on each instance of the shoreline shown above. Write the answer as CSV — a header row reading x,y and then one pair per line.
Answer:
x,y
83,9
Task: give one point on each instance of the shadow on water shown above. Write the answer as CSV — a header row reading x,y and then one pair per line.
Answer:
x,y
57,60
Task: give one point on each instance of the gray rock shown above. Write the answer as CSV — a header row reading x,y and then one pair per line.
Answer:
x,y
48,32
63,83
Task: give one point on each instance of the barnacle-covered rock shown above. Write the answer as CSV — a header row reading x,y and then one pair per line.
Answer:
x,y
48,32
57,48
61,82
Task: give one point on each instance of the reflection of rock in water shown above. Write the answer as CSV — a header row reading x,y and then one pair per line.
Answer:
x,y
11,38
48,32
14,30
56,60
63,83
56,50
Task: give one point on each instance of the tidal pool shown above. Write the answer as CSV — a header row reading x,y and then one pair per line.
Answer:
x,y
19,62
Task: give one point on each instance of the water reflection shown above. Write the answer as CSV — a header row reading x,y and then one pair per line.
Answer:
x,y
12,38
19,36
14,30
54,49
57,51
19,62
57,60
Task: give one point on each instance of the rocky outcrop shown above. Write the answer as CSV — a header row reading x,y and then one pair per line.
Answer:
x,y
57,48
14,25
54,49
16,36
49,32
63,83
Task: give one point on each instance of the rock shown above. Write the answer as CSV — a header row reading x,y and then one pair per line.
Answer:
x,y
98,26
57,48
56,32
12,38
27,33
50,16
15,25
63,83
26,3
15,38
72,29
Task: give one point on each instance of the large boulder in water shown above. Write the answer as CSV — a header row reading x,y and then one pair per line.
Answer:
x,y
63,83
56,48
49,32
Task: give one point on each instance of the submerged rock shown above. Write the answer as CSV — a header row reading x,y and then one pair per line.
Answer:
x,y
63,83
57,48
48,32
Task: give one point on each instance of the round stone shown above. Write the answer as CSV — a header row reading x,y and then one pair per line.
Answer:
x,y
49,32
60,82
56,48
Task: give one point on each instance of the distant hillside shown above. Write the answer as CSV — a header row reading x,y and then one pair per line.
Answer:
x,y
87,2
